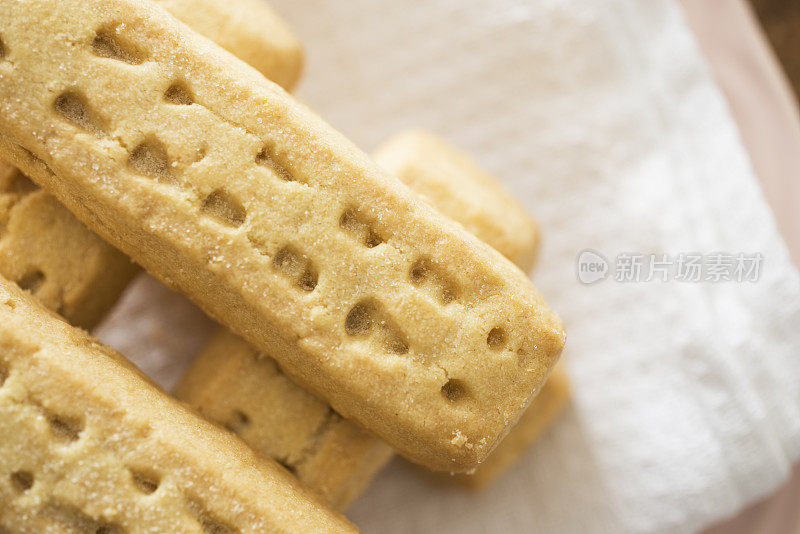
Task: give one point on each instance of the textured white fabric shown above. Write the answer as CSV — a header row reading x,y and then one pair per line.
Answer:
x,y
603,120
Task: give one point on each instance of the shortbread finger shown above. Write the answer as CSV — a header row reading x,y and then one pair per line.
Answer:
x,y
453,183
250,30
46,250
88,444
232,384
274,224
544,410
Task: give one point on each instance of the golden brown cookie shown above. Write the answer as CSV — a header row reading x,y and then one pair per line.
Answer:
x,y
88,444
221,185
250,30
544,410
232,384
47,251
455,185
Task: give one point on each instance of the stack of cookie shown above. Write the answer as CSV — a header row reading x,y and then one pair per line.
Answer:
x,y
371,305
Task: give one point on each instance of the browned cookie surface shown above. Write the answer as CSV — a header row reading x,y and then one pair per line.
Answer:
x,y
47,251
88,444
220,184
231,383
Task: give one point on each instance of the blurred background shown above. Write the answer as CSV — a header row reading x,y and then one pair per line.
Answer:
x,y
754,49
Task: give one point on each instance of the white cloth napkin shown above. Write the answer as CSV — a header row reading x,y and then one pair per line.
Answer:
x,y
604,121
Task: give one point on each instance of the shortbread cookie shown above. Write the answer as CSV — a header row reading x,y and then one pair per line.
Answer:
x,y
46,250
453,183
232,384
221,185
250,30
50,253
88,444
544,410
